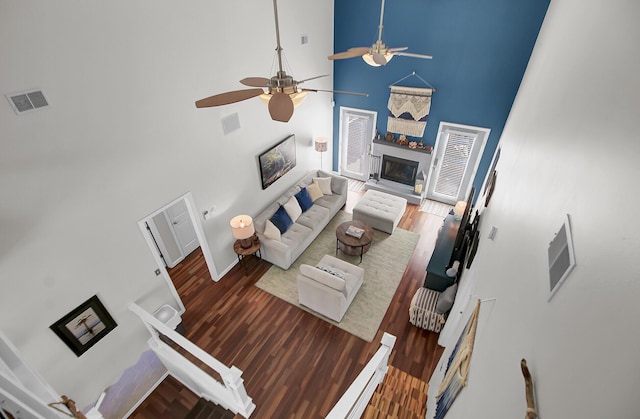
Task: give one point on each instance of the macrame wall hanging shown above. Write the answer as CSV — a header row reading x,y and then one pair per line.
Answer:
x,y
409,108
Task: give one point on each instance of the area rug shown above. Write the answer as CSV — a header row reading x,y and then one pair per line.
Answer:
x,y
435,208
384,265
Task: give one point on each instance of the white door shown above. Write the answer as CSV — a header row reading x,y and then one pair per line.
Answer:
x,y
357,129
456,157
178,217
173,233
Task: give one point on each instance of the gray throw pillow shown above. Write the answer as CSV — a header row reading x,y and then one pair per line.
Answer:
x,y
446,299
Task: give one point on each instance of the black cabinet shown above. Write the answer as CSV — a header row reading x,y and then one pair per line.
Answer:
x,y
436,278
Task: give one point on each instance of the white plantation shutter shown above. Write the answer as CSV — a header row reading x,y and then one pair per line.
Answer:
x,y
357,145
454,162
357,128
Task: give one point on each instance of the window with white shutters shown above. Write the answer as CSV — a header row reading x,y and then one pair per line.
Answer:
x,y
454,162
357,127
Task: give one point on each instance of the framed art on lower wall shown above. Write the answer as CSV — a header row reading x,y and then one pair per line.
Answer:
x,y
84,326
277,161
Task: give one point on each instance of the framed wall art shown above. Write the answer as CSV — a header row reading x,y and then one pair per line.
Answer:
x,y
458,367
277,161
84,326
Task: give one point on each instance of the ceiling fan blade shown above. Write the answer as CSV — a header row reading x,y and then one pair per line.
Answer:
x,y
409,54
336,91
350,53
281,107
398,49
379,59
228,97
255,81
312,78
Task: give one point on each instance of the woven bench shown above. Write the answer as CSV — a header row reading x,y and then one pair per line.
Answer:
x,y
380,210
422,311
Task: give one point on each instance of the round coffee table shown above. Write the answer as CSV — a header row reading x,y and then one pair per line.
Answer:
x,y
351,245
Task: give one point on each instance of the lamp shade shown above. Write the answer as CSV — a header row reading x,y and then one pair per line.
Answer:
x,y
320,144
458,209
242,227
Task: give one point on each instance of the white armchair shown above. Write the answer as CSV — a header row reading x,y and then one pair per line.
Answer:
x,y
329,287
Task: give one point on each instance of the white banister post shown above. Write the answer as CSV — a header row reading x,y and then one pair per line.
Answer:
x,y
388,341
234,382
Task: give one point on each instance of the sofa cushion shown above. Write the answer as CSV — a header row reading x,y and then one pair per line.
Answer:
x,y
322,277
281,220
446,299
293,208
271,231
288,194
324,183
315,217
304,199
307,179
314,191
297,238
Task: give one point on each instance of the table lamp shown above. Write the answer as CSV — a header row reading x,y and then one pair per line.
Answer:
x,y
458,210
242,229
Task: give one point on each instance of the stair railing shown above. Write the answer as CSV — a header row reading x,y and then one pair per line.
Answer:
x,y
354,401
229,394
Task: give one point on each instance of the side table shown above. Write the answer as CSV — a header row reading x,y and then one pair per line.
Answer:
x,y
254,249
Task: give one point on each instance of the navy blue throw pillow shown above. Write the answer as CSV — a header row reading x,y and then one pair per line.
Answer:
x,y
304,199
281,220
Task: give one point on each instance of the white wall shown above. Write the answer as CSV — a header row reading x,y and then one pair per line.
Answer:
x,y
570,146
123,138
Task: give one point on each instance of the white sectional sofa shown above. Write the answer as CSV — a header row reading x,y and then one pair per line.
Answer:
x,y
283,248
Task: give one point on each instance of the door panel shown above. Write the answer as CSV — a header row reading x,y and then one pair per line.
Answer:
x,y
357,129
457,154
179,218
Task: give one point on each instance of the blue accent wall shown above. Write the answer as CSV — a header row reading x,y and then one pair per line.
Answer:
x,y
480,51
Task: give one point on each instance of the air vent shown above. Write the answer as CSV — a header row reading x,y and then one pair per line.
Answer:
x,y
24,102
230,123
561,257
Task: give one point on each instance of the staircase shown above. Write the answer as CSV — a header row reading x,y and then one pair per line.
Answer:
x,y
400,396
207,410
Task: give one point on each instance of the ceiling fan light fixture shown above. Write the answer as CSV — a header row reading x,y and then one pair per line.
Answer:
x,y
368,58
296,97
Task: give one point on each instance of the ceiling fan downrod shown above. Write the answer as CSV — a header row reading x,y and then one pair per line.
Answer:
x,y
281,76
380,25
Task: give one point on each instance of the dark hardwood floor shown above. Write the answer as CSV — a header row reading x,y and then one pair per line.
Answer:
x,y
295,365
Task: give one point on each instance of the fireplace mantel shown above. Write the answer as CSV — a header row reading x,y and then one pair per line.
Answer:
x,y
404,147
422,156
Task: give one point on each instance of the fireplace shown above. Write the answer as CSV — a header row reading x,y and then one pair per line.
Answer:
x,y
399,170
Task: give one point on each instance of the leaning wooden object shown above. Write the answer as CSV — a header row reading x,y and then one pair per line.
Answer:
x,y
532,413
71,405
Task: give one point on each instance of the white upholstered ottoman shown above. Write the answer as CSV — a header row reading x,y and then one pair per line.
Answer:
x,y
380,210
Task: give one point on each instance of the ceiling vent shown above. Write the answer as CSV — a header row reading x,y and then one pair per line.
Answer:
x,y
230,123
24,102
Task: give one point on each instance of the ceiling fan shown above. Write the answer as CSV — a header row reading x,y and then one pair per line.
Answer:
x,y
283,92
378,54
